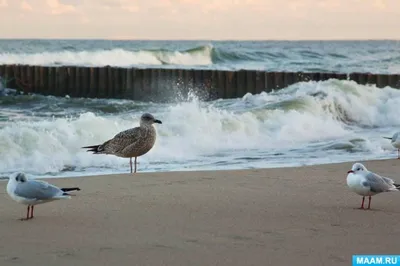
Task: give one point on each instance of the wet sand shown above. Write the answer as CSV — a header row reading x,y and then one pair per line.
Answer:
x,y
283,216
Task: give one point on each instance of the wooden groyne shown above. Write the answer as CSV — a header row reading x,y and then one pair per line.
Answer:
x,y
161,84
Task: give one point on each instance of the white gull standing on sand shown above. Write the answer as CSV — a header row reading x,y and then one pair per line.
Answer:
x,y
395,141
366,183
33,192
130,143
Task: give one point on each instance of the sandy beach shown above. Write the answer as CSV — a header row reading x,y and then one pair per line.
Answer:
x,y
283,216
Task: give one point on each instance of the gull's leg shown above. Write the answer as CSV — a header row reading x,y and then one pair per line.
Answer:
x,y
130,163
27,213
31,211
135,164
362,203
369,202
398,153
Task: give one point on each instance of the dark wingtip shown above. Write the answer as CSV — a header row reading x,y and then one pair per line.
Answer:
x,y
66,189
94,148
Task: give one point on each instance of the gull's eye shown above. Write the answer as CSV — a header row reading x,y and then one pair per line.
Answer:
x,y
359,169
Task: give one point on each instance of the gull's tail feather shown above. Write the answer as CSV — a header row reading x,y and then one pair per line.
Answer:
x,y
387,138
66,189
95,148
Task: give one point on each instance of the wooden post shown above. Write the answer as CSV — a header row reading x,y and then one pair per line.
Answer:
x,y
102,83
394,81
94,90
2,72
269,81
85,81
22,79
17,77
288,79
382,80
362,78
117,76
36,86
230,84
251,81
61,82
129,85
110,81
51,77
189,79
279,83
153,80
9,77
43,80
146,89
123,72
371,79
241,87
30,78
197,80
207,84
260,82
174,76
220,79
71,76
138,76
341,76
77,90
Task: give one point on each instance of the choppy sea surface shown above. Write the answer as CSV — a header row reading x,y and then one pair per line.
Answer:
x,y
303,124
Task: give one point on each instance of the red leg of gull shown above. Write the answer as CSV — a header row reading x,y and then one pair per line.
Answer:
x,y
130,163
369,202
362,203
27,213
398,153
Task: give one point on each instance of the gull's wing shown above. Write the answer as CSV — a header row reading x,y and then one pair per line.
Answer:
x,y
35,189
122,140
377,183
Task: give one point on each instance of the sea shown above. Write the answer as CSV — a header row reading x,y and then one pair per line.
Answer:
x,y
306,123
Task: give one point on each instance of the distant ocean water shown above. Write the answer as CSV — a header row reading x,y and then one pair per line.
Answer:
x,y
324,56
305,123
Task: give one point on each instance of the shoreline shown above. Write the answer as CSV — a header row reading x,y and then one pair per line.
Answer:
x,y
274,216
81,175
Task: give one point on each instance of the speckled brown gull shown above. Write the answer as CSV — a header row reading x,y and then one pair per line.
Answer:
x,y
130,143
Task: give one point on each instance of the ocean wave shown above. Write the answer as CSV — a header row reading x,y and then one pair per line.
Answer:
x,y
115,57
302,119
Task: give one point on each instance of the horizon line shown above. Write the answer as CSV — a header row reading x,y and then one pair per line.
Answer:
x,y
203,39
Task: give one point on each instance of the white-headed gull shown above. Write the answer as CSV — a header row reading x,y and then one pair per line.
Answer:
x,y
366,183
395,141
32,192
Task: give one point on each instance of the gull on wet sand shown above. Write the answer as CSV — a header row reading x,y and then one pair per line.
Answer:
x,y
130,143
395,141
32,192
366,183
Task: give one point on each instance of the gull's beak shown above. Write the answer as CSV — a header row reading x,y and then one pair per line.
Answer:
x,y
157,121
351,171
387,138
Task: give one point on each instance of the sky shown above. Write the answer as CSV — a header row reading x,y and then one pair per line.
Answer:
x,y
201,19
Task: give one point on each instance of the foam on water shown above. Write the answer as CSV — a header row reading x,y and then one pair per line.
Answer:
x,y
113,57
301,124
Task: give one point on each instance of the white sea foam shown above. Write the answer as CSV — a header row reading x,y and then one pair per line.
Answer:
x,y
114,57
298,121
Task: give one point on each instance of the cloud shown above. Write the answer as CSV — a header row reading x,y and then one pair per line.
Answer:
x,y
25,6
3,3
57,8
202,19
